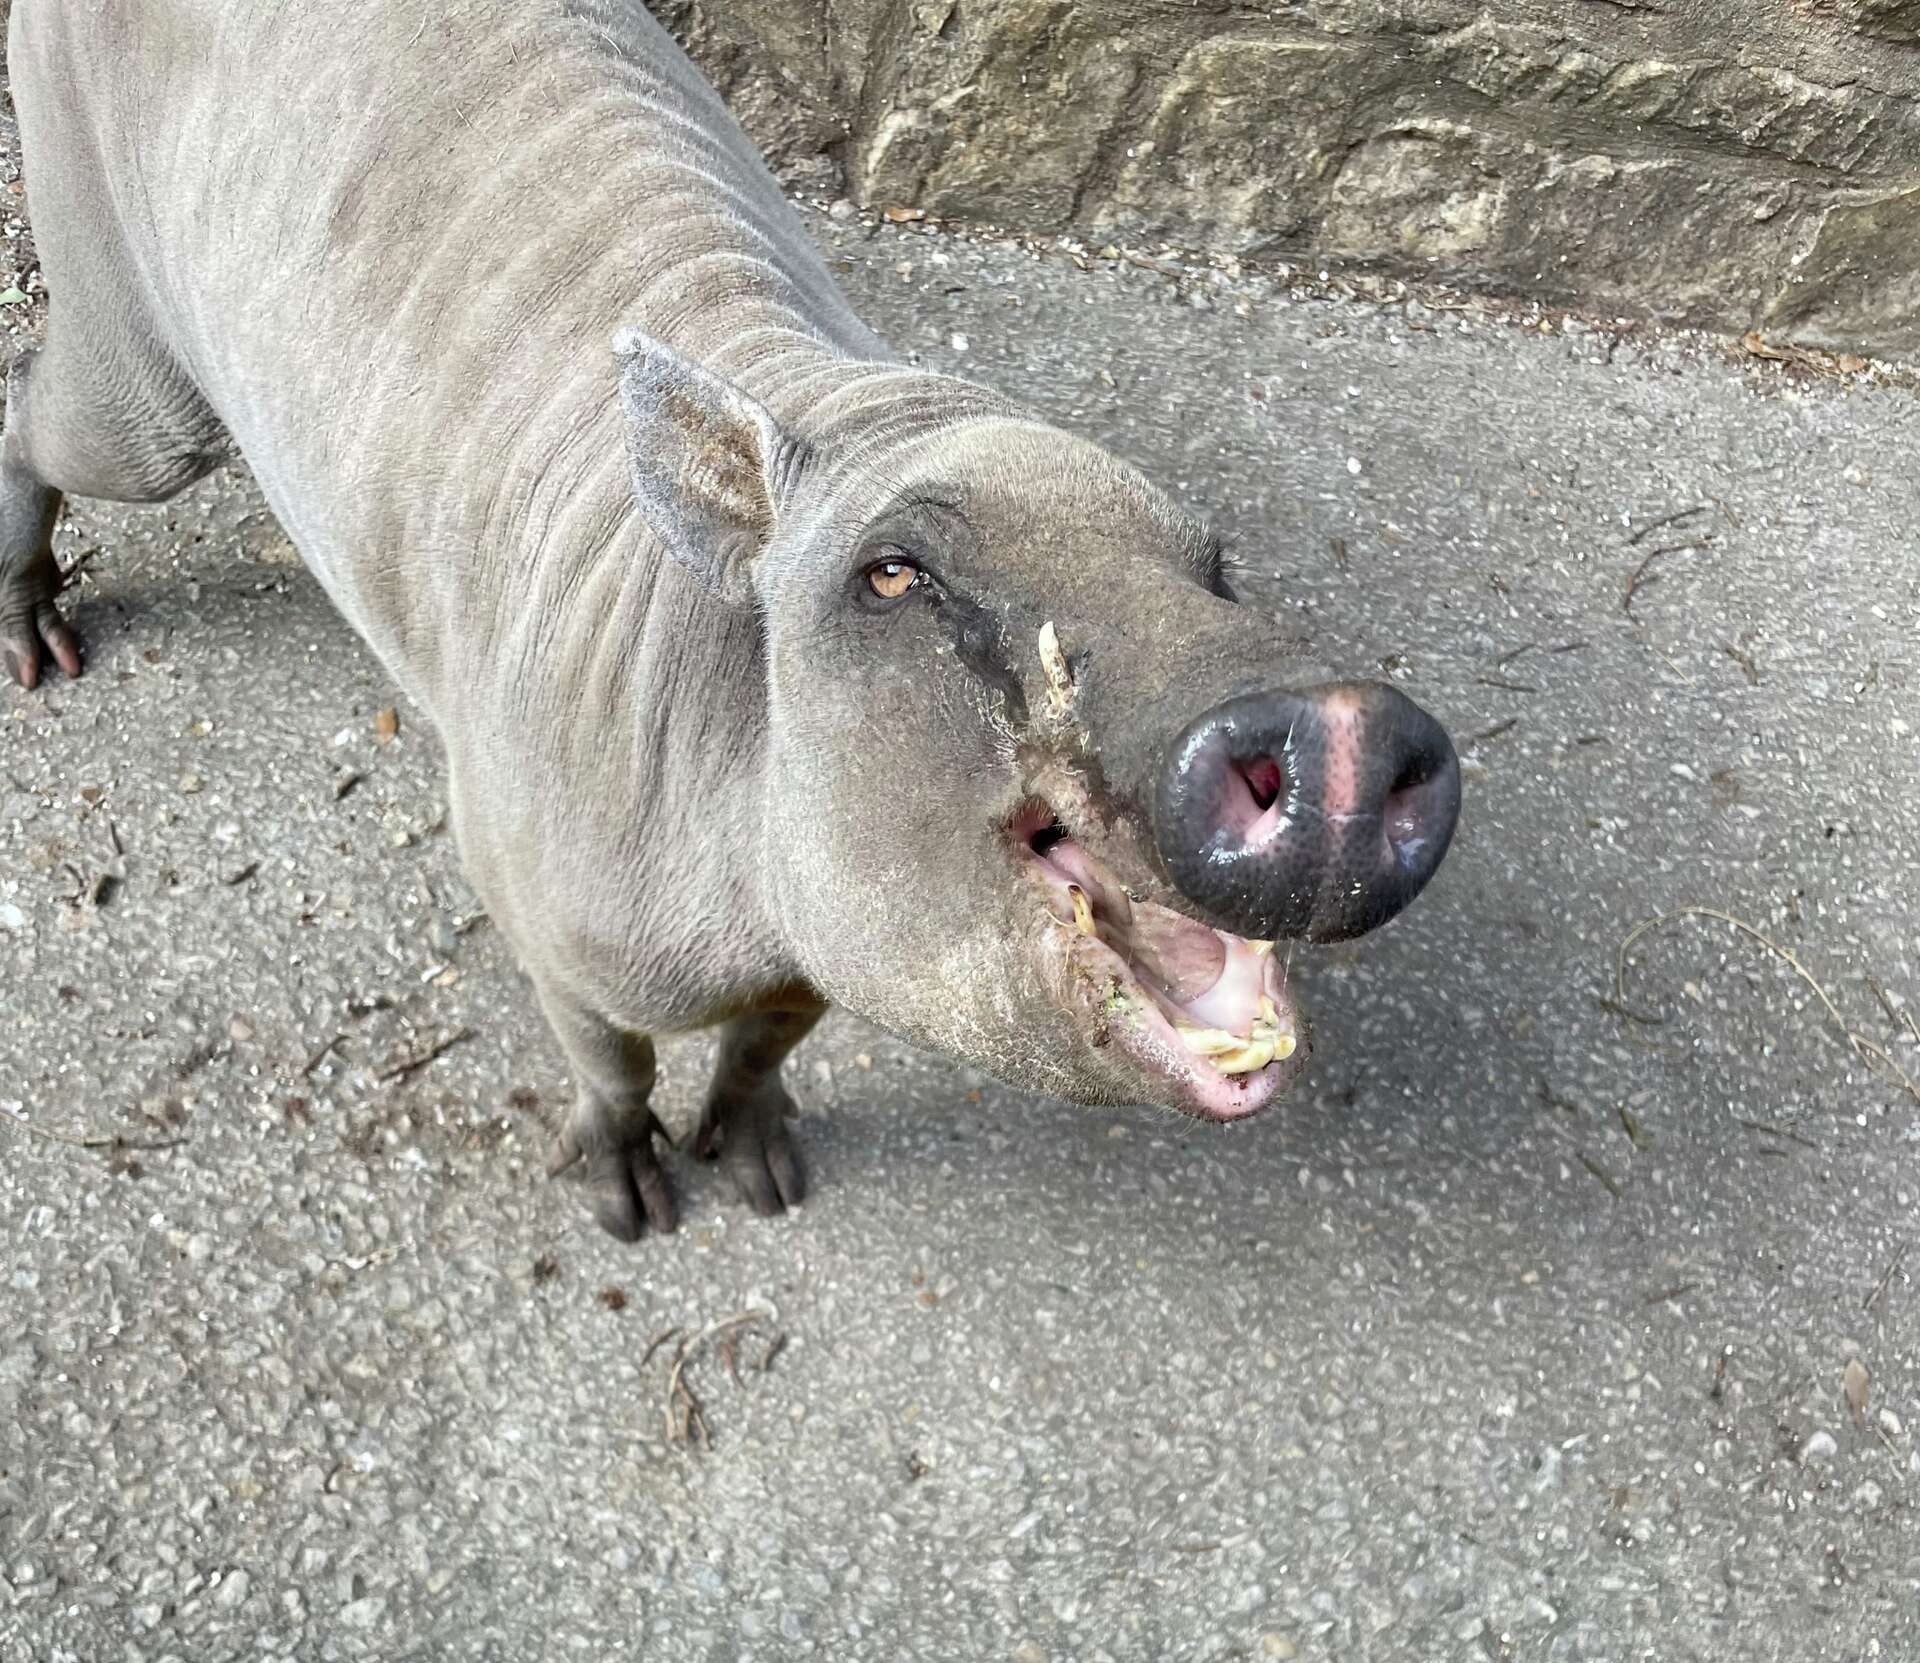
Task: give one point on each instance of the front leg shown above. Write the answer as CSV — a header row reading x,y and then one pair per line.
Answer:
x,y
611,1129
745,1123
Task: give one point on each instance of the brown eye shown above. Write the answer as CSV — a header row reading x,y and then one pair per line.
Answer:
x,y
891,579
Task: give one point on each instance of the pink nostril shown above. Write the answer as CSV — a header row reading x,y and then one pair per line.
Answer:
x,y
1316,814
1264,780
1406,811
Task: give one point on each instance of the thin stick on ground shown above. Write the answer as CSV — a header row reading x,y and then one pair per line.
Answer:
x,y
1647,530
684,1415
87,1140
1863,1047
1785,1133
413,1065
1639,579
320,1056
1886,1276
656,1343
1607,1180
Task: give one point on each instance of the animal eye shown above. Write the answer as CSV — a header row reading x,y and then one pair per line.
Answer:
x,y
890,579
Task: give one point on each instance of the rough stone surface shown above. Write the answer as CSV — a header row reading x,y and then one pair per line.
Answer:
x,y
1502,1341
1708,162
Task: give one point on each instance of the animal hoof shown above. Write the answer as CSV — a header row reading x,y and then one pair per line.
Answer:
x,y
627,1183
753,1144
28,644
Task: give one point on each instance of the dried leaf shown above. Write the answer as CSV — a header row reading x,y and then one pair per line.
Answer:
x,y
894,212
386,726
1756,343
1853,1383
1851,363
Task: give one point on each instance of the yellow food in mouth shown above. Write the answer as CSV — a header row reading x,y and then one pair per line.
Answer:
x,y
1265,1042
1192,1003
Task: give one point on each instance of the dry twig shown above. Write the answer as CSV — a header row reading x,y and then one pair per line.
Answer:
x,y
1607,1179
413,1065
1863,1047
87,1140
1640,579
1773,1131
1886,1276
684,1416
1674,518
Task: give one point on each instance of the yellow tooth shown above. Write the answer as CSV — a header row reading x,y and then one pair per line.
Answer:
x,y
1082,909
1209,1042
1247,1058
1232,1054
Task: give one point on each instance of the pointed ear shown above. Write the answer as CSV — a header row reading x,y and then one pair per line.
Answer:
x,y
710,466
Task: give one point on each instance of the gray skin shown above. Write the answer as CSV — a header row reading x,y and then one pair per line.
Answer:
x,y
560,406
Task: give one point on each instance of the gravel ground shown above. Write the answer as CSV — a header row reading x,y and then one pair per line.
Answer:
x,y
1549,1320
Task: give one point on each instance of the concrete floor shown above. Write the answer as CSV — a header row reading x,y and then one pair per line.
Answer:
x,y
1524,1331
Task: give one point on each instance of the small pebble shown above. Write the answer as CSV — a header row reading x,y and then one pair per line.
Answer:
x,y
363,1613
1820,1447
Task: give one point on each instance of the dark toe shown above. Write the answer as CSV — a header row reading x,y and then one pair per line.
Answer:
x,y
61,641
655,1195
616,1203
783,1162
766,1172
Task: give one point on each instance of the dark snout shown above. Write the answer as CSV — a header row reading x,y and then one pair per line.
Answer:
x,y
1317,814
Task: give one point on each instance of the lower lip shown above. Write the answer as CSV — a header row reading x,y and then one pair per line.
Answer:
x,y
1261,1089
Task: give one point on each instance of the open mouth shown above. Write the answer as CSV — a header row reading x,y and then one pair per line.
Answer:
x,y
1206,1012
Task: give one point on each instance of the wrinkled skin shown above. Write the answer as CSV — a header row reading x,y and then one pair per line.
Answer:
x,y
911,873
771,673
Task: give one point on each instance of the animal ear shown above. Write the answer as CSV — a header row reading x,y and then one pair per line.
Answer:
x,y
710,466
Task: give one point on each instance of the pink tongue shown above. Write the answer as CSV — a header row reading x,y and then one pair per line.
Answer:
x,y
1234,999
1185,958
1216,979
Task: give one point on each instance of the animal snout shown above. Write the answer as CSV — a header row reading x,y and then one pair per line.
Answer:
x,y
1319,813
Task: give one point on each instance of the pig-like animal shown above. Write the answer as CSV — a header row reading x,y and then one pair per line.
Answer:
x,y
771,671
